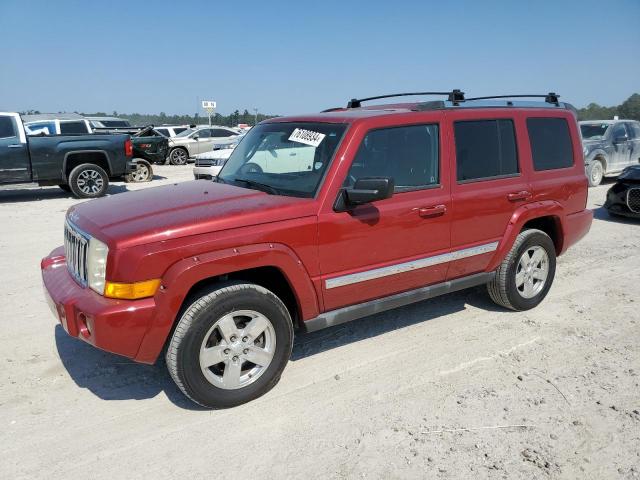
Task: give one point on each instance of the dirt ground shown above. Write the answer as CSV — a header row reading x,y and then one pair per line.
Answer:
x,y
452,388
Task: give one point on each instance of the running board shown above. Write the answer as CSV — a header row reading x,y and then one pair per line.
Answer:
x,y
353,312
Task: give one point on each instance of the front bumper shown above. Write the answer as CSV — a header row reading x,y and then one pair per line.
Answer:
x,y
117,326
616,202
206,172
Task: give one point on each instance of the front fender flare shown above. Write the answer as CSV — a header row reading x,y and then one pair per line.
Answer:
x,y
178,280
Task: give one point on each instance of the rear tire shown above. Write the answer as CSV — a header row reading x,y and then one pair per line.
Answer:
x,y
178,156
526,274
88,181
219,334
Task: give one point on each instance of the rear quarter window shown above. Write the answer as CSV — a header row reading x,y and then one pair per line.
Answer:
x,y
67,128
550,142
485,149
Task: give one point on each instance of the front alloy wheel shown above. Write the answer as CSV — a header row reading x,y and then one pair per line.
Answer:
x,y
178,156
230,345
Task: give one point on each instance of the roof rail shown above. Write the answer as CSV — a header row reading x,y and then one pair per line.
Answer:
x,y
550,97
454,96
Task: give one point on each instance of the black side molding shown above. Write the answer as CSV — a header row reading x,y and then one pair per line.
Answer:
x,y
353,312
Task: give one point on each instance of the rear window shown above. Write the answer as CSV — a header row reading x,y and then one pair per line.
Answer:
x,y
485,149
67,128
550,143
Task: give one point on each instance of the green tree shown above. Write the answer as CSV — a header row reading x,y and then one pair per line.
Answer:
x,y
630,108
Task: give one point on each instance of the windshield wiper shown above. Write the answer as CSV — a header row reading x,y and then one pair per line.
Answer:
x,y
258,186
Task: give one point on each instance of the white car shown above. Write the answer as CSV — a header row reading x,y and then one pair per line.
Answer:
x,y
209,164
171,131
197,140
56,124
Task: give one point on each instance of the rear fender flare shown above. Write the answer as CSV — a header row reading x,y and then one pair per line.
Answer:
x,y
520,217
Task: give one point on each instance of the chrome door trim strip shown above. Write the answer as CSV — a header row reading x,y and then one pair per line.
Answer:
x,y
352,278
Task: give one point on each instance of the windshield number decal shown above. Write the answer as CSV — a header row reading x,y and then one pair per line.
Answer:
x,y
307,137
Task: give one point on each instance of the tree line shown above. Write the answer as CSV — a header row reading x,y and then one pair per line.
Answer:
x,y
629,109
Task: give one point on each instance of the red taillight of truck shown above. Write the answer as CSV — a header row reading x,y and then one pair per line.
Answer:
x,y
128,148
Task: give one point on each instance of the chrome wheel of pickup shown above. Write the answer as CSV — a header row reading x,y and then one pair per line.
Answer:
x,y
90,182
237,349
532,271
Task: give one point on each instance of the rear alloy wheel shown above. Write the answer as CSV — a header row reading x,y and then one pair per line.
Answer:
x,y
595,173
88,181
142,173
230,345
178,156
525,276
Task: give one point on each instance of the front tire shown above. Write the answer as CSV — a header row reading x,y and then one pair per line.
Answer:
x,y
526,274
178,156
595,173
88,181
230,345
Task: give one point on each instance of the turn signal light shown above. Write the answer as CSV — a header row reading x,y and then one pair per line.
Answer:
x,y
131,291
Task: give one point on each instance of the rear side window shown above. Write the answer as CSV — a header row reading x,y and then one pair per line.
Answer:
x,y
179,130
67,128
485,149
163,131
6,127
407,154
550,143
219,132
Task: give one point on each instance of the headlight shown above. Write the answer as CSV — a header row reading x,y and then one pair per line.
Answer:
x,y
585,150
97,265
227,146
218,162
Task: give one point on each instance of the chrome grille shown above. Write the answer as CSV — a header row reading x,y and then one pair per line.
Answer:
x,y
633,199
76,244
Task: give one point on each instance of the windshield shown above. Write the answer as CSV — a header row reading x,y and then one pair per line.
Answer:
x,y
592,130
186,133
283,158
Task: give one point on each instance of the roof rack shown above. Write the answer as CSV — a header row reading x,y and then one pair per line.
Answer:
x,y
454,96
550,97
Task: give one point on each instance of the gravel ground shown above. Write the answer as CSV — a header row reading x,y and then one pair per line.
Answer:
x,y
453,387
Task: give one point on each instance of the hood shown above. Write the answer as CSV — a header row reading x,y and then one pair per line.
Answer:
x,y
631,174
183,209
592,141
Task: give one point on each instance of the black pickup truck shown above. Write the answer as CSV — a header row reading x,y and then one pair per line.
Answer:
x,y
81,164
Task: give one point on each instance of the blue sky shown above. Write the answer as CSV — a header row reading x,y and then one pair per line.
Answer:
x,y
290,57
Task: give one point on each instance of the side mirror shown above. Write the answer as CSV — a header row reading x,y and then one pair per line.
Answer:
x,y
620,139
369,189
196,136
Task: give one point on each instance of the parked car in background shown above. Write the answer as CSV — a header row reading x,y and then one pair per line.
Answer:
x,y
402,203
623,198
609,146
197,140
56,124
109,122
208,165
170,131
80,163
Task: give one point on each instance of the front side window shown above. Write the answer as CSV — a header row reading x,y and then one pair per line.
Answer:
x,y
409,155
288,158
485,149
204,133
550,142
635,129
68,128
618,131
6,127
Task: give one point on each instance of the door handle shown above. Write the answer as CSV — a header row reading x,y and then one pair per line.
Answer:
x,y
16,145
517,196
428,212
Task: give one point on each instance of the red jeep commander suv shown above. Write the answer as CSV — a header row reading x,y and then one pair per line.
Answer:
x,y
321,219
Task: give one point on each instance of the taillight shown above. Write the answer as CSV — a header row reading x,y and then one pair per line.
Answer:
x,y
128,148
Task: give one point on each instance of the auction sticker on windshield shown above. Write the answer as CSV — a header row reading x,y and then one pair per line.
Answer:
x,y
308,137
